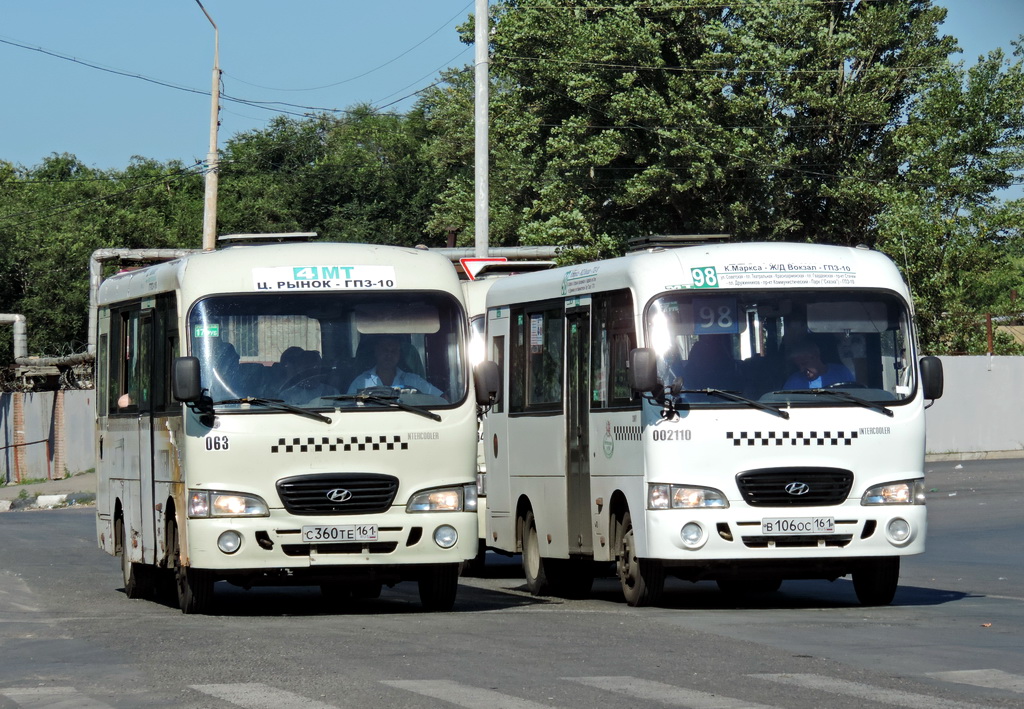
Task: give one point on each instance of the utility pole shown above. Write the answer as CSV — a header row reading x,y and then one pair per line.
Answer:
x,y
212,159
482,152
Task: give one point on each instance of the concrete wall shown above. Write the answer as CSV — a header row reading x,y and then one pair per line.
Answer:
x,y
980,414
64,420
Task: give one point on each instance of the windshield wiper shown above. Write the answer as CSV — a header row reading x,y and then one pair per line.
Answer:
x,y
383,396
278,405
842,394
721,393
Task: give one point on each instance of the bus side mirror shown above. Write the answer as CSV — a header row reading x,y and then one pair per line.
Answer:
x,y
931,377
487,383
185,379
642,372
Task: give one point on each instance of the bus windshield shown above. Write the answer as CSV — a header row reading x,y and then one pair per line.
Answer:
x,y
795,346
314,350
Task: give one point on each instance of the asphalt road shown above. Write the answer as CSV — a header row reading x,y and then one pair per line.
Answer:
x,y
952,638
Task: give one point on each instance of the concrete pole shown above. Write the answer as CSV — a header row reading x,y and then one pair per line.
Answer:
x,y
482,152
212,159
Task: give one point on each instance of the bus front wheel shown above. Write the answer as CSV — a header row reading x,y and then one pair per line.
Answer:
x,y
194,586
642,580
875,581
438,587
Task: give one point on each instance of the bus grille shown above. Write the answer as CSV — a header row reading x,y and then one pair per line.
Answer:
x,y
795,487
338,493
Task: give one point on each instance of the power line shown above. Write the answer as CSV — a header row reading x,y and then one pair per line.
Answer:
x,y
369,71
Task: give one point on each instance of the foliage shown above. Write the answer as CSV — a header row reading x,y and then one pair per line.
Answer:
x,y
803,120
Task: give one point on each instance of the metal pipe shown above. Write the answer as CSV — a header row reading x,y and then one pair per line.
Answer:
x,y
20,333
101,256
515,253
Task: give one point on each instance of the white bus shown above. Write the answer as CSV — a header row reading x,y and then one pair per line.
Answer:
x,y
474,290
743,413
287,414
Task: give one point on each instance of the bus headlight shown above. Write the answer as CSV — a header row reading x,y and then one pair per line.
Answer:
x,y
444,499
905,492
210,503
682,497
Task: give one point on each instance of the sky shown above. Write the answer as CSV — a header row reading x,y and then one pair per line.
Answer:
x,y
106,80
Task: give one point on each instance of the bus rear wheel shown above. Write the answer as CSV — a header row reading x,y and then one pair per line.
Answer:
x,y
642,580
194,586
139,579
438,586
875,581
534,565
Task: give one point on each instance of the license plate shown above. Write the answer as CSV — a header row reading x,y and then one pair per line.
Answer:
x,y
328,533
798,525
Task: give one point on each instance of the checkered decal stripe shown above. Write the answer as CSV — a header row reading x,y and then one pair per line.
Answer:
x,y
797,438
627,433
344,444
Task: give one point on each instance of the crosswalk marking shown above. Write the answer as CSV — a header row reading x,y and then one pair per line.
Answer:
x,y
254,695
668,694
465,696
993,679
882,695
51,698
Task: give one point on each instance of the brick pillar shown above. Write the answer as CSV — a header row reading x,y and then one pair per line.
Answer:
x,y
60,467
19,435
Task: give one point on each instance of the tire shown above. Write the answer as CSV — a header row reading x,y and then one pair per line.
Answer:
x,y
139,579
642,580
748,587
535,567
438,587
194,586
875,581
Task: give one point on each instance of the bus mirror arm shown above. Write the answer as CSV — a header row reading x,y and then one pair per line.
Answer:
x,y
487,383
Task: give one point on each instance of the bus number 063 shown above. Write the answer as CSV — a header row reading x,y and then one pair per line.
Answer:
x,y
216,443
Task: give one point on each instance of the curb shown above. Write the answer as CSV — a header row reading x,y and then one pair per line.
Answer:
x,y
49,502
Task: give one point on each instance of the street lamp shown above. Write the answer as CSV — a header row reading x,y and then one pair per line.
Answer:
x,y
212,160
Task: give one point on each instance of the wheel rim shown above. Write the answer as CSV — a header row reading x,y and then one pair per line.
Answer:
x,y
628,563
126,566
531,553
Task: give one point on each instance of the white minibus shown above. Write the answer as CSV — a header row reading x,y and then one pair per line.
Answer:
x,y
740,413
287,413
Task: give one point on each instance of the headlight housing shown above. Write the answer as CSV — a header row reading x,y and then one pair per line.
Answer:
x,y
444,499
212,503
684,497
904,492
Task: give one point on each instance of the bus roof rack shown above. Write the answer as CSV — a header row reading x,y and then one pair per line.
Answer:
x,y
673,241
278,238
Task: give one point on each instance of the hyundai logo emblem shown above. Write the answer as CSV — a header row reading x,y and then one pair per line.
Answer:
x,y
339,495
798,488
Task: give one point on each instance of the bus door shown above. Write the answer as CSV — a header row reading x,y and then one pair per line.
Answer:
x,y
577,434
135,423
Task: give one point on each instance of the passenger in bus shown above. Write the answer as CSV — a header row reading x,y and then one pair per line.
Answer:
x,y
812,372
303,378
387,350
711,364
